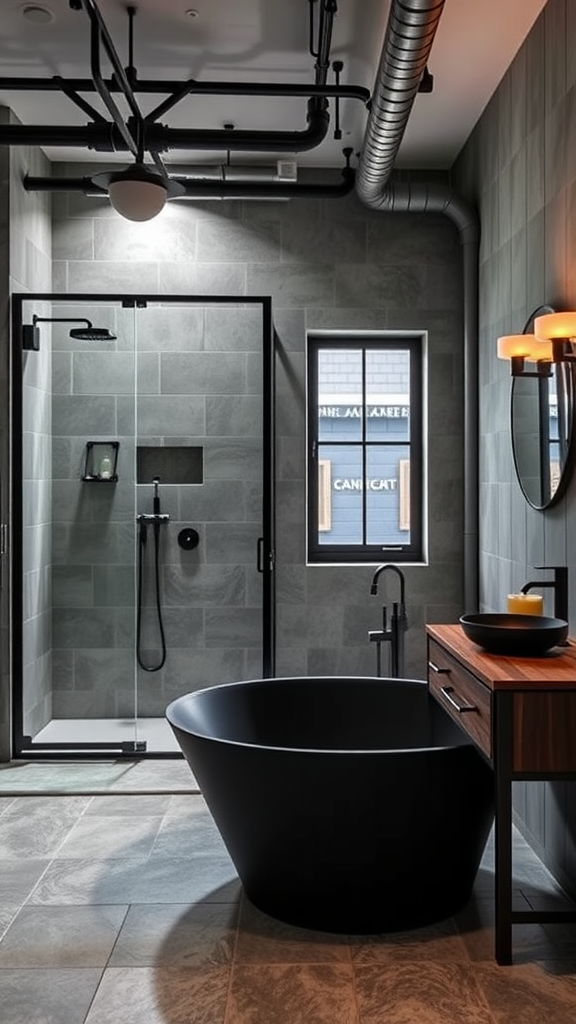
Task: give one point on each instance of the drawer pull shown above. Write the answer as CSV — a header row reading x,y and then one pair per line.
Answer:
x,y
439,671
447,692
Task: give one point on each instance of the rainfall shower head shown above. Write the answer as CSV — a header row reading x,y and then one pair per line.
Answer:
x,y
31,334
90,333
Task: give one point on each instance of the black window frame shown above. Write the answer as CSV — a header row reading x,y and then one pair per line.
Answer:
x,y
348,554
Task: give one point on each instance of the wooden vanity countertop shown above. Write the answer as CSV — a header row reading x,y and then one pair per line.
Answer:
x,y
556,669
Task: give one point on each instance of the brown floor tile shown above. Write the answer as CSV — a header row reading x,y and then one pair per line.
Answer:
x,y
264,940
439,942
417,993
535,993
291,994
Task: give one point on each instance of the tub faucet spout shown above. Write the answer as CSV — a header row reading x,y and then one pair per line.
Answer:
x,y
394,635
386,568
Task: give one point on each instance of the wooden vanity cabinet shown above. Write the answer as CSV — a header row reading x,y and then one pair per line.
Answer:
x,y
521,714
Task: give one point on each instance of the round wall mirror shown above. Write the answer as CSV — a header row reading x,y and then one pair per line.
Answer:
x,y
542,426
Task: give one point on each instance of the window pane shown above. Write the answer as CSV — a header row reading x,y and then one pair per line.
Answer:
x,y
388,394
339,394
386,499
345,495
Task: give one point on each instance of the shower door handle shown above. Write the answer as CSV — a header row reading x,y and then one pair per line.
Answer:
x,y
260,557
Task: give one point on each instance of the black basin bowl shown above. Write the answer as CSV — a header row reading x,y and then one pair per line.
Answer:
x,y
519,635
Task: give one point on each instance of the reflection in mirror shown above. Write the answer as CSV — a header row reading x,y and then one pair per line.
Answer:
x,y
542,427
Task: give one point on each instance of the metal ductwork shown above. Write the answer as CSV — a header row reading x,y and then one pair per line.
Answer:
x,y
407,44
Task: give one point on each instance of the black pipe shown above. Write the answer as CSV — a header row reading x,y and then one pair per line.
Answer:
x,y
159,138
190,87
208,189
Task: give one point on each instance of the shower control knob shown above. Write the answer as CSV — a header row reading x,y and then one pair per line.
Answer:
x,y
188,538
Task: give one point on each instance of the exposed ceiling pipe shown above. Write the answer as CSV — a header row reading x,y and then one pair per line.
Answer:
x,y
105,136
408,40
209,188
143,135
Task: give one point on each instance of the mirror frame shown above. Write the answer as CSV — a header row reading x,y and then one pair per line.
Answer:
x,y
566,386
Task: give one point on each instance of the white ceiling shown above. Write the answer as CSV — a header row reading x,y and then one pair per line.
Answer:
x,y
264,40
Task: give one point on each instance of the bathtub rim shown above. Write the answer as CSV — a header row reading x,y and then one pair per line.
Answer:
x,y
368,751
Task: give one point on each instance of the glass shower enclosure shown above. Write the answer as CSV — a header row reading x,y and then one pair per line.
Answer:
x,y
142,513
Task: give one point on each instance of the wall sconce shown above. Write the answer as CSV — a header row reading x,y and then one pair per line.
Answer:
x,y
530,347
557,330
520,347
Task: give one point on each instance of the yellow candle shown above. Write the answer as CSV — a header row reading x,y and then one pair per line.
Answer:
x,y
525,604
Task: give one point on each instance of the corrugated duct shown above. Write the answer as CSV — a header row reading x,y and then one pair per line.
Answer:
x,y
407,44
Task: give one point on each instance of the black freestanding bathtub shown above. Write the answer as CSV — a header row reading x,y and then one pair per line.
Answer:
x,y
347,804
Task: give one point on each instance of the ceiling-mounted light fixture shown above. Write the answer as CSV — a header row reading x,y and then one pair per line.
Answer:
x,y
137,192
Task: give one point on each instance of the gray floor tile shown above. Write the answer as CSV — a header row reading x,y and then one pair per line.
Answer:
x,y
137,880
61,936
37,826
142,995
196,935
18,878
130,804
46,996
111,837
178,836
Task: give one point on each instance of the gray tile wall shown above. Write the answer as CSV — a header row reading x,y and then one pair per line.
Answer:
x,y
211,612
328,264
519,168
25,255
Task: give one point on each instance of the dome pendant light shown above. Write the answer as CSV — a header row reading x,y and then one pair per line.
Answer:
x,y
138,193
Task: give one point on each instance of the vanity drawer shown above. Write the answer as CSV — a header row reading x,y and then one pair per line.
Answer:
x,y
464,697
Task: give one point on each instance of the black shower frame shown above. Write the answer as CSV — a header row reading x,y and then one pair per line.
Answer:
x,y
24,746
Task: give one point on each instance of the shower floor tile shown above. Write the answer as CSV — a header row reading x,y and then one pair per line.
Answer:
x,y
155,732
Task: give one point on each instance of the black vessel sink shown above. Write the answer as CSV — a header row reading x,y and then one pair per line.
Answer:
x,y
518,635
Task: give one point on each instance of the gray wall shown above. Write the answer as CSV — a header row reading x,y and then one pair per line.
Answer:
x,y
519,168
26,262
199,373
328,264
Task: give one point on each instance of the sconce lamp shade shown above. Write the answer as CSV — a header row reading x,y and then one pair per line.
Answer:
x,y
137,200
555,325
524,346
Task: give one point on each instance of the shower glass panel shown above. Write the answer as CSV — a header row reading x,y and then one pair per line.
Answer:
x,y
146,510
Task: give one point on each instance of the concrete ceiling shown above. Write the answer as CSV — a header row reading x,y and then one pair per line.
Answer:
x,y
262,40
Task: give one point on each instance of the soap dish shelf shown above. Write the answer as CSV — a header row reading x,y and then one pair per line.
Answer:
x,y
96,453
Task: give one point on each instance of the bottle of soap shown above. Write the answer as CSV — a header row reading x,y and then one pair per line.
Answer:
x,y
105,468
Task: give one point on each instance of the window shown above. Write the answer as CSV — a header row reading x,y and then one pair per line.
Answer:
x,y
365,450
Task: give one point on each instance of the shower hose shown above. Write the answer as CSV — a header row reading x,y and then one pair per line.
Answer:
x,y
143,536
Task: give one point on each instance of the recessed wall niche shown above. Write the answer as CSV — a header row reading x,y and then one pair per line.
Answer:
x,y
179,465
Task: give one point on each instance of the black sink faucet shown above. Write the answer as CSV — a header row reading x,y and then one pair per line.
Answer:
x,y
559,585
